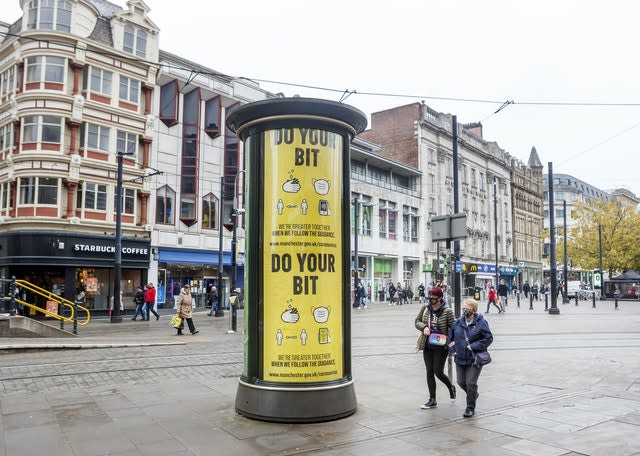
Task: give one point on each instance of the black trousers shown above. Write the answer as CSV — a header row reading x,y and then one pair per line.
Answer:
x,y
190,324
434,361
468,380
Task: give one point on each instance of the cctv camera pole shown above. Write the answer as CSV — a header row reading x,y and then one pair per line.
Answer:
x,y
456,243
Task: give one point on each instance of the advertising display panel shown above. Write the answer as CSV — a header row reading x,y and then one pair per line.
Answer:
x,y
302,260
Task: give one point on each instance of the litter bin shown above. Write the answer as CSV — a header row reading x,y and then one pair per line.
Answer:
x,y
476,293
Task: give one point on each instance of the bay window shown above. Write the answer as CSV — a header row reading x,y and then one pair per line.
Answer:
x,y
49,15
38,190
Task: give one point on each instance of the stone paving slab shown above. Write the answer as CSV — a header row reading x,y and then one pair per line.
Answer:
x,y
565,384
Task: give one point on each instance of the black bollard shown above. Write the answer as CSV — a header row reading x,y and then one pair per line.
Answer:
x,y
546,302
531,301
593,296
576,299
616,304
518,299
75,316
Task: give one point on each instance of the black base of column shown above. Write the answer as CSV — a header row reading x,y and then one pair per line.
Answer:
x,y
554,311
296,405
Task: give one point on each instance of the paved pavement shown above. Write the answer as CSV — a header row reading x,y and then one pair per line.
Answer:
x,y
565,384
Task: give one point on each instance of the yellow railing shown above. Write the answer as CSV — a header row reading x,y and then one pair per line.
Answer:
x,y
53,297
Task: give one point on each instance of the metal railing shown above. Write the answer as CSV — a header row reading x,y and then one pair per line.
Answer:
x,y
72,306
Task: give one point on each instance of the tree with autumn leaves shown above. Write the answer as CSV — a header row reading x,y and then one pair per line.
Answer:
x,y
620,227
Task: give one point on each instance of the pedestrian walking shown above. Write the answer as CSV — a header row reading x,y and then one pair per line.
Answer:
x,y
503,291
212,297
492,296
392,292
361,297
434,321
185,311
534,291
526,288
422,297
138,299
150,301
469,334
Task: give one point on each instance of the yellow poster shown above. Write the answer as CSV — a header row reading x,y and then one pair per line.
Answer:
x,y
302,256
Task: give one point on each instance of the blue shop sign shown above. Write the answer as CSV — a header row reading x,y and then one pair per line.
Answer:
x,y
508,270
479,268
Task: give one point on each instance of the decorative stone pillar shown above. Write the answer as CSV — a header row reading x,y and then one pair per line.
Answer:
x,y
16,136
144,204
71,192
148,91
77,73
73,136
146,143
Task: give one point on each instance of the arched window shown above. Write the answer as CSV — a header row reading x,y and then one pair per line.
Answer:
x,y
209,212
165,205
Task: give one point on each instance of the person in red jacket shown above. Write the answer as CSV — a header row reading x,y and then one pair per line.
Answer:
x,y
150,301
492,295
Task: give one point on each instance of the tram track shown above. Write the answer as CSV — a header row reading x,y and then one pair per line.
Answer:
x,y
116,364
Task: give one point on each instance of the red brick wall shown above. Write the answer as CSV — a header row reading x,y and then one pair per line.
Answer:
x,y
394,130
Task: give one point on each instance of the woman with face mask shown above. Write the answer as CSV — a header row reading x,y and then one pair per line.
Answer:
x,y
469,334
434,321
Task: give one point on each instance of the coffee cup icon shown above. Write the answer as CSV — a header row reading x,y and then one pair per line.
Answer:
x,y
321,186
321,314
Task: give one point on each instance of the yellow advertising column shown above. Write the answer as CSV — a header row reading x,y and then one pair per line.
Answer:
x,y
297,338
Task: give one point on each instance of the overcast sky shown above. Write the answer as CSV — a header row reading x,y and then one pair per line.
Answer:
x,y
547,51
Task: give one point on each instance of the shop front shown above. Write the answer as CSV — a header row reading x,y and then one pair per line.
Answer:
x,y
65,262
198,268
477,276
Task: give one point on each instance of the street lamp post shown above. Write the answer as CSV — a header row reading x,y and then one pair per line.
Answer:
x,y
565,290
236,211
602,297
553,310
220,305
116,317
495,226
355,252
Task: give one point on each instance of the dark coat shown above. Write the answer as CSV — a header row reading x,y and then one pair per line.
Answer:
x,y
479,334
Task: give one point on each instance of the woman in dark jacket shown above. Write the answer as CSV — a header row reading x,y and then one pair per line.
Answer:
x,y
435,318
469,334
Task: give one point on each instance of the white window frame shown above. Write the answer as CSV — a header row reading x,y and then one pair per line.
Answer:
x,y
34,194
101,81
37,125
96,190
134,41
43,64
6,136
129,90
60,15
127,144
8,81
128,194
102,136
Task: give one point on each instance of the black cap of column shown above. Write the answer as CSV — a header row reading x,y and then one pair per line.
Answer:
x,y
274,108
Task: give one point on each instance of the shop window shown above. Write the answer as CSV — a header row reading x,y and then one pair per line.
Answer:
x,y
169,103
209,211
135,41
92,197
38,190
212,115
49,15
165,203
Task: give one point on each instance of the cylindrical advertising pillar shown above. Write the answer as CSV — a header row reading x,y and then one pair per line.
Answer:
x,y
297,335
